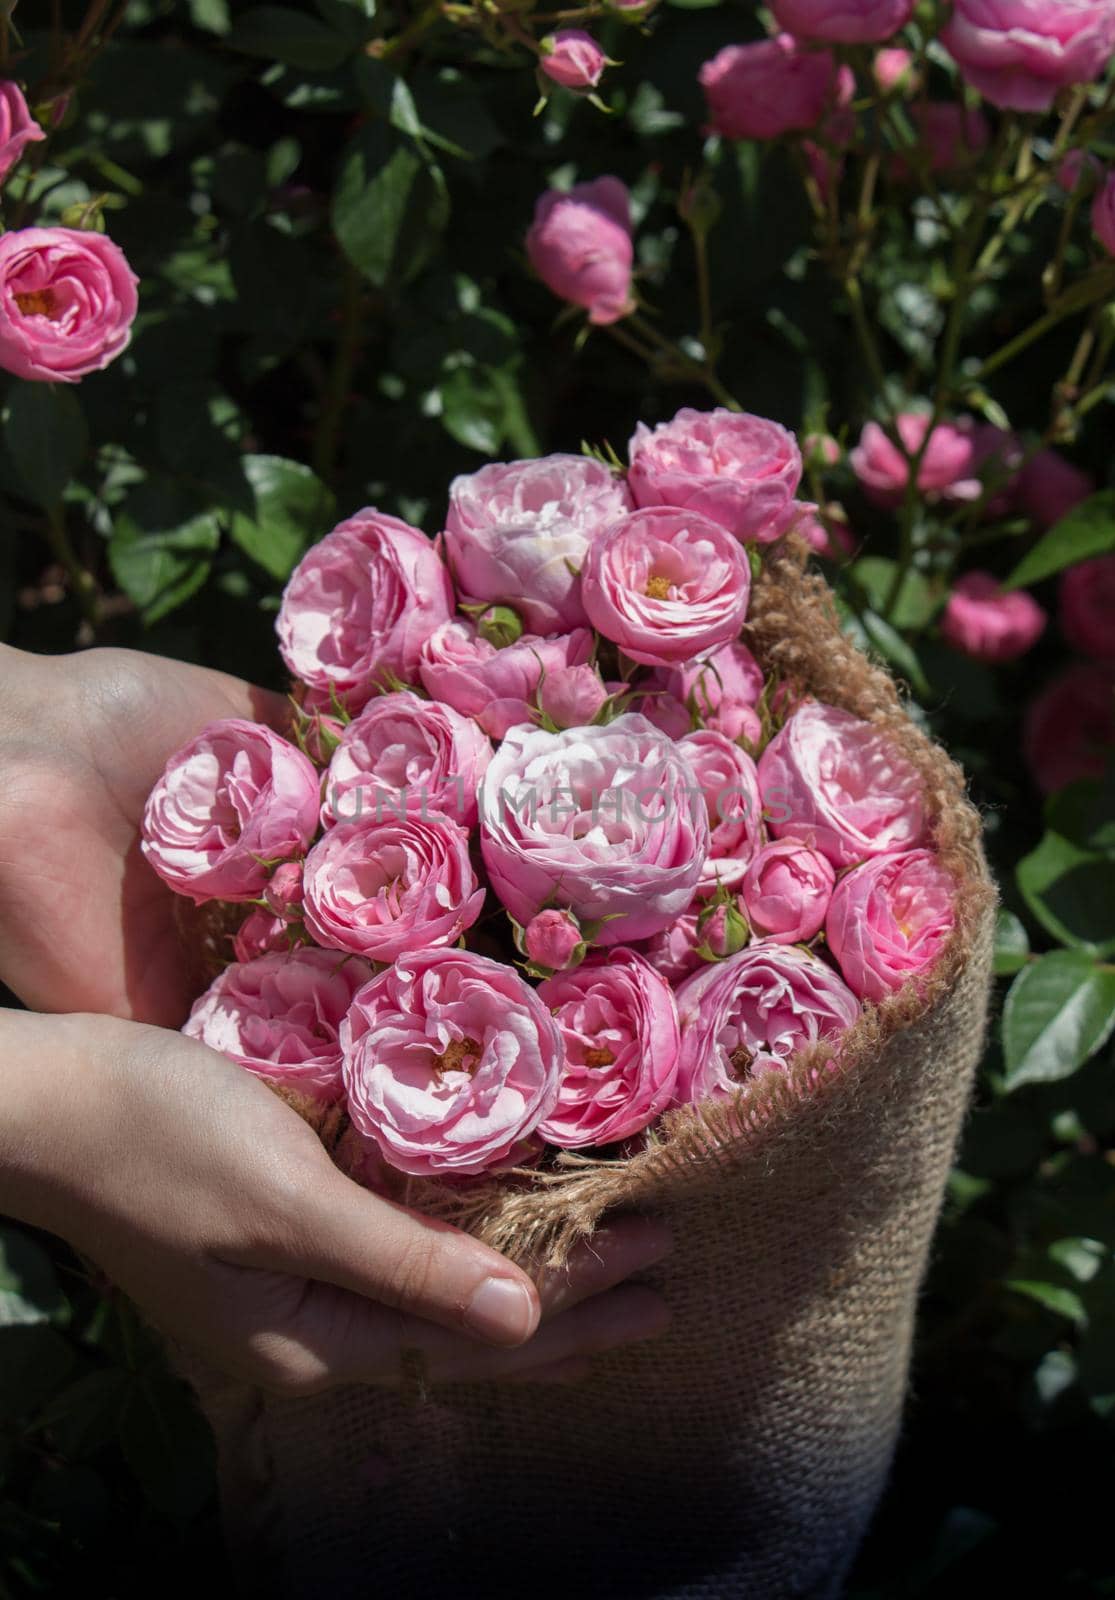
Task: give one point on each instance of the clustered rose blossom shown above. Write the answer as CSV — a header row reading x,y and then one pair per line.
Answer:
x,y
772,87
1019,54
843,21
985,622
580,246
544,737
572,58
67,303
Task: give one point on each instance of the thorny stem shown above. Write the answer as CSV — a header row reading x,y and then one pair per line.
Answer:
x,y
700,371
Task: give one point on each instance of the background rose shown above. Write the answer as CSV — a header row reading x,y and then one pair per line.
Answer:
x,y
580,246
518,532
739,470
1069,730
751,1013
729,784
889,920
406,754
786,892
280,1017
360,604
18,127
989,623
1088,607
1049,487
946,464
450,1062
497,687
834,782
601,820
666,585
843,21
67,303
229,804
1020,53
619,1031
572,58
761,90
383,889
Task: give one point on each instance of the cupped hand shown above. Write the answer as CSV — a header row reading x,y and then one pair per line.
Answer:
x,y
217,1210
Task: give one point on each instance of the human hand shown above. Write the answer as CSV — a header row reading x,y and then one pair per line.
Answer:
x,y
217,1210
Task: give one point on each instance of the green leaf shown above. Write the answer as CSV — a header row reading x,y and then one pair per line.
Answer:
x,y
890,644
1088,530
29,1291
293,508
279,33
1072,893
472,410
1012,945
1059,1011
916,602
1053,1297
46,436
390,205
160,554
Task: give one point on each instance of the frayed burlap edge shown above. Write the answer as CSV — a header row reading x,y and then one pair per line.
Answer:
x,y
537,1217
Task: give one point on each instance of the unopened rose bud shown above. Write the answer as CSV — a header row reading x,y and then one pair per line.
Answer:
x,y
283,894
722,930
894,72
500,625
572,696
553,939
573,59
699,206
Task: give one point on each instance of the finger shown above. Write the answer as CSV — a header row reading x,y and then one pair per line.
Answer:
x,y
334,1231
622,1247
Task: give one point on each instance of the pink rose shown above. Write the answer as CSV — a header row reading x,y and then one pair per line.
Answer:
x,y
580,246
1088,607
766,89
1070,727
889,920
729,784
280,1017
359,606
619,1029
705,932
983,622
518,533
752,1014
1049,487
405,756
572,58
948,468
497,687
572,697
951,136
604,820
720,692
842,21
739,470
1103,214
786,892
829,536
382,889
450,1063
893,71
260,932
229,804
18,127
553,940
67,303
838,785
1020,53
283,894
666,585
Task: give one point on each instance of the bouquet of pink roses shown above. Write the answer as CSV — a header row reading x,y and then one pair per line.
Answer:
x,y
538,748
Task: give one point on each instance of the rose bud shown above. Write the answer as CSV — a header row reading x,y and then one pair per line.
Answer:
x,y
260,933
983,622
572,697
889,921
499,688
67,303
283,894
1020,54
720,690
1088,607
786,891
572,58
729,785
579,244
1075,167
553,939
893,71
18,127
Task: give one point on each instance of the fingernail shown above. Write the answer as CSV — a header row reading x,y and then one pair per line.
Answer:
x,y
501,1310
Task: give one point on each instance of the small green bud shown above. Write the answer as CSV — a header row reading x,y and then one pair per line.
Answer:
x,y
501,626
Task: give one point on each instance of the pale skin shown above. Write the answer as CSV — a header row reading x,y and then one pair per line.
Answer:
x,y
196,1190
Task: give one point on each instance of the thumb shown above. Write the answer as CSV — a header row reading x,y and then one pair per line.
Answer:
x,y
347,1236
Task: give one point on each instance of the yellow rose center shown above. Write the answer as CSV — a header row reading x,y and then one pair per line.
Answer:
x,y
460,1056
36,303
600,1056
658,588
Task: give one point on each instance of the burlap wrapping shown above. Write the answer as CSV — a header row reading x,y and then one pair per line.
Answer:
x,y
743,1453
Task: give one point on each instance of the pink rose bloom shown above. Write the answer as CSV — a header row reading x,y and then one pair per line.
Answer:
x,y
892,70
229,804
382,889
572,697
572,58
842,21
283,894
359,606
579,244
604,820
729,784
450,1063
67,303
786,892
1070,727
720,691
832,539
619,1029
766,89
889,920
666,585
497,687
1103,214
18,127
711,931
405,756
280,1017
1049,487
983,622
518,533
1020,53
1088,607
739,470
951,135
949,467
837,784
752,1014
260,932
552,939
